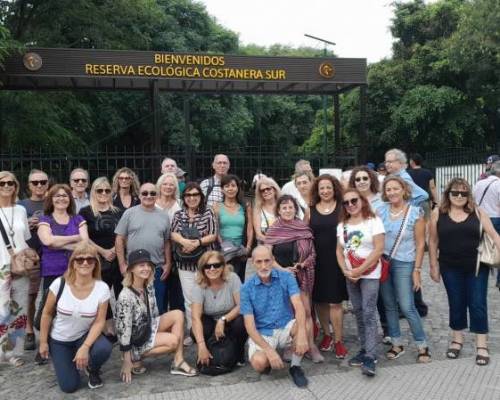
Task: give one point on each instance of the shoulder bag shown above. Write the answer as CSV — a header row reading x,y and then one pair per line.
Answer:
x,y
142,331
385,260
487,252
188,232
23,262
38,317
223,359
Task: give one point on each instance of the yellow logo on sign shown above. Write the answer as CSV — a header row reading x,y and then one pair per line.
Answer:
x,y
326,70
32,61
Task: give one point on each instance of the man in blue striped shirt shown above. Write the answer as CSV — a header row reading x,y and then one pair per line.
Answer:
x,y
268,303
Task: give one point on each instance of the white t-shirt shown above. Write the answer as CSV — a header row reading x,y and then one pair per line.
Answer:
x,y
74,316
360,241
21,231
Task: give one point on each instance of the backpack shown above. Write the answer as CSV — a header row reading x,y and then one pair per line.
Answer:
x,y
210,188
223,356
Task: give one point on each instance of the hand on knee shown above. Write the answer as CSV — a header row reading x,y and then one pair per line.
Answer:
x,y
259,363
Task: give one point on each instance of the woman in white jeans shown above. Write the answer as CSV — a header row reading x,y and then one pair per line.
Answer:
x,y
194,231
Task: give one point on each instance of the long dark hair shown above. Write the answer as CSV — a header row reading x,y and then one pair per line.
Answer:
x,y
240,196
445,200
374,183
190,186
48,205
337,189
366,209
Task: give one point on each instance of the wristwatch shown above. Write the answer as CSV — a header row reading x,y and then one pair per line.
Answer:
x,y
223,318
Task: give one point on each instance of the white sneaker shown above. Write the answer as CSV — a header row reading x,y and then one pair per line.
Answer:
x,y
188,341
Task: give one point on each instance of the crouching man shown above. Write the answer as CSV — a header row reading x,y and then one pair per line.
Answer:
x,y
269,301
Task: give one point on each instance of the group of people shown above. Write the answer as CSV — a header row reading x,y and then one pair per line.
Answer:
x,y
175,253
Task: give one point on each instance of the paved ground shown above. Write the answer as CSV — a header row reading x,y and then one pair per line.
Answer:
x,y
397,379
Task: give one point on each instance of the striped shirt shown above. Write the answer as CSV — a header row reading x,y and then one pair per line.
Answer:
x,y
206,224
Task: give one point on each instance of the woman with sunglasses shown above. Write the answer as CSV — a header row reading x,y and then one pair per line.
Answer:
x,y
70,329
329,289
454,239
59,231
194,231
216,306
267,193
168,198
406,264
102,218
304,182
366,182
13,289
142,330
360,243
125,189
293,250
235,222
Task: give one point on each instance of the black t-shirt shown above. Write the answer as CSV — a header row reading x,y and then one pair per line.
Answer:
x,y
102,227
285,254
422,177
117,202
33,208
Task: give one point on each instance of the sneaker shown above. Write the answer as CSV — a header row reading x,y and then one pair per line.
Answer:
x,y
326,343
298,377
358,359
188,341
39,360
29,341
340,350
368,367
95,380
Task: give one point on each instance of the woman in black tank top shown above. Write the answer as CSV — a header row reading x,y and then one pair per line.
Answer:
x,y
453,242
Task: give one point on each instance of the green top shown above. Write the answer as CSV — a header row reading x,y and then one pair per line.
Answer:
x,y
232,225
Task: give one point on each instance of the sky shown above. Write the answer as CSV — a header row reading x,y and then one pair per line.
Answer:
x,y
360,28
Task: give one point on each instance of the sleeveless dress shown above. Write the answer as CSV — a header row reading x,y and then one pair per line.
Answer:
x,y
329,282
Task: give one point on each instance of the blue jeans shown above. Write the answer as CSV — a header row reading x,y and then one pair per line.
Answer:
x,y
62,354
398,289
466,291
160,290
496,224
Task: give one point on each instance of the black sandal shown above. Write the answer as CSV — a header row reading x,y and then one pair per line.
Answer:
x,y
392,354
424,354
482,360
454,353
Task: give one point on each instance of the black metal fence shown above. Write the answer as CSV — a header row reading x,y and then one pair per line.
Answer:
x,y
245,161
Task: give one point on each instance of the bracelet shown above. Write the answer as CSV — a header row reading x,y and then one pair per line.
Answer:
x,y
201,243
418,269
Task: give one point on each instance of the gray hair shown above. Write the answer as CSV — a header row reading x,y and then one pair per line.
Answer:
x,y
299,165
262,247
399,154
495,168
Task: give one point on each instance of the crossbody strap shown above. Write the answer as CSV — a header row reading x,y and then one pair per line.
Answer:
x,y
399,237
5,237
485,190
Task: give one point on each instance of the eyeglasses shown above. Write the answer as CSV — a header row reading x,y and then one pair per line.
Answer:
x,y
192,194
362,178
42,182
267,189
151,193
8,183
456,193
350,202
101,191
60,196
213,266
124,178
80,180
88,260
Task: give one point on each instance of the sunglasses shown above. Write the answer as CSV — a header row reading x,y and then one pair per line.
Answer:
x,y
151,193
362,178
192,194
124,178
80,180
101,191
456,193
350,202
43,182
267,189
213,266
8,183
88,260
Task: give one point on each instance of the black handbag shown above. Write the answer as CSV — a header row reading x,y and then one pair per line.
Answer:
x,y
142,332
224,353
188,232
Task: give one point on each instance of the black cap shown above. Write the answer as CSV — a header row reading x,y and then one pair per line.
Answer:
x,y
139,256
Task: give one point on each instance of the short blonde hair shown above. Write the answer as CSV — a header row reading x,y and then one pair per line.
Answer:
x,y
402,182
200,278
162,178
128,278
265,181
83,248
15,194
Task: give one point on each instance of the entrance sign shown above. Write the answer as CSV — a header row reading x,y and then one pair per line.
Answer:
x,y
44,68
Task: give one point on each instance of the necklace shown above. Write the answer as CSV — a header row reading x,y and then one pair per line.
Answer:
x,y
396,214
11,224
326,208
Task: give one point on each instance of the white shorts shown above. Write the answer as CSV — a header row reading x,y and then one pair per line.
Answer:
x,y
280,339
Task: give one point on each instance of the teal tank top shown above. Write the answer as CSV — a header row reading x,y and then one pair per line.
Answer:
x,y
232,225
